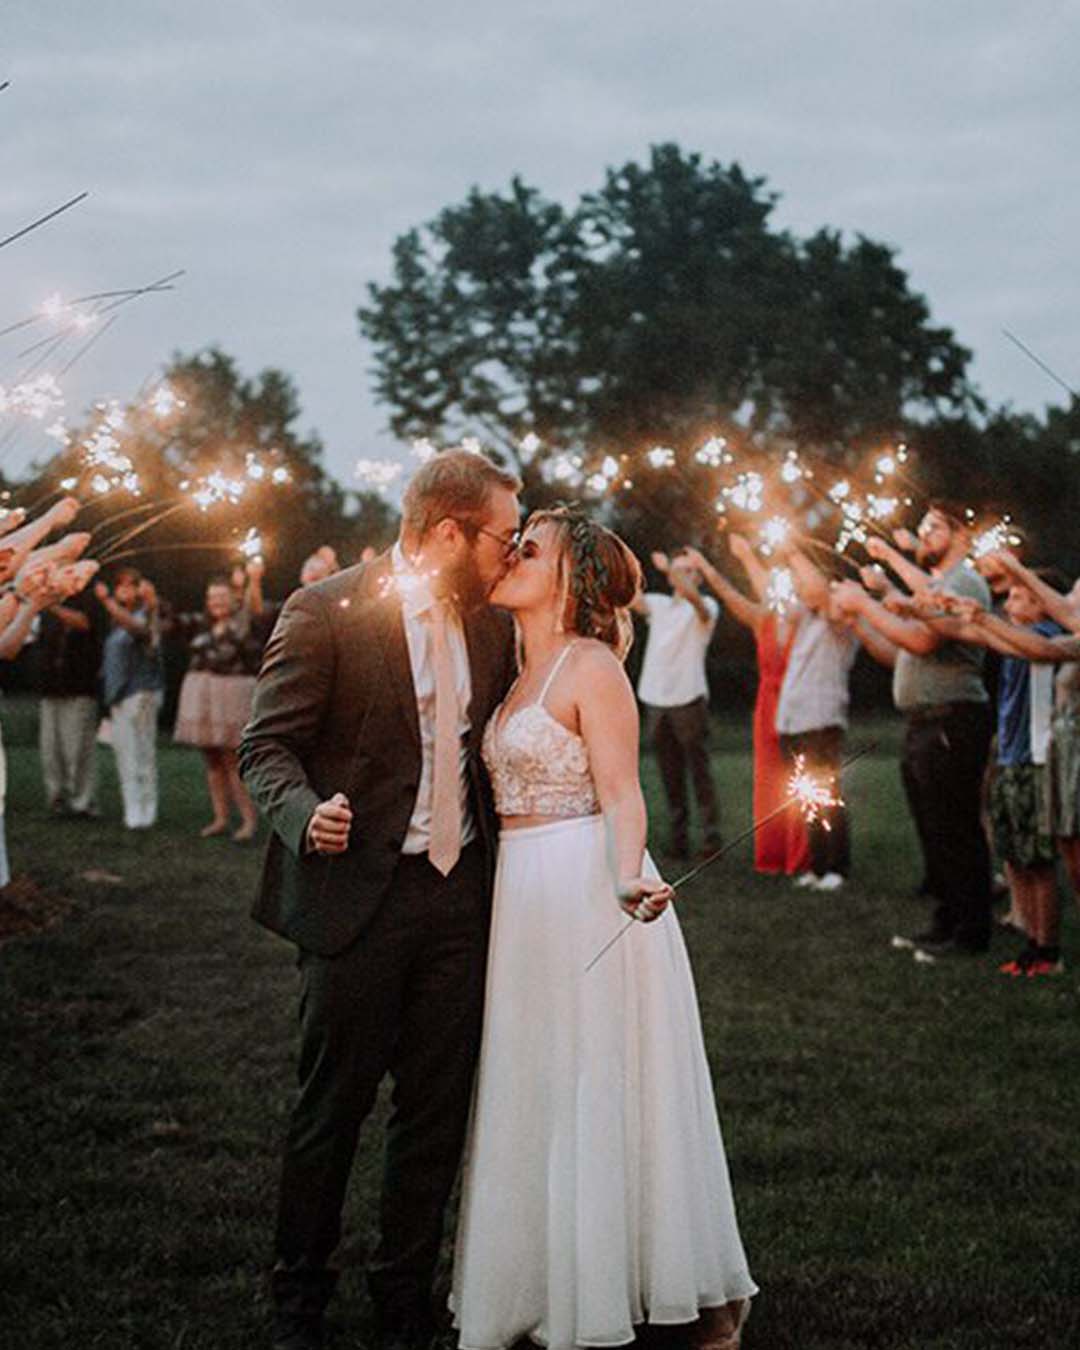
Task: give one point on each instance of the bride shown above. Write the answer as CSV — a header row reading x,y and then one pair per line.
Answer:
x,y
596,1192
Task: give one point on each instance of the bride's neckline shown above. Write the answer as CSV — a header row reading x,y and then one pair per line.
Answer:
x,y
502,716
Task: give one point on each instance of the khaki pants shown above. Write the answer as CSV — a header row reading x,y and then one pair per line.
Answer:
x,y
67,734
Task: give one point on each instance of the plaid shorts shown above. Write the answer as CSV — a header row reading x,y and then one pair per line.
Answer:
x,y
1020,817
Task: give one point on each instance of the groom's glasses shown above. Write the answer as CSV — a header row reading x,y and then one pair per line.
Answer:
x,y
510,542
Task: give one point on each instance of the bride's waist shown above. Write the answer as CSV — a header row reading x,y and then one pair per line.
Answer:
x,y
511,826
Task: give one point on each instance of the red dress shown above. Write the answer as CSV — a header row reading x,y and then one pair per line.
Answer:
x,y
781,845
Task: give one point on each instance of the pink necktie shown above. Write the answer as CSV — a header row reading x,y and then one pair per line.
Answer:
x,y
445,845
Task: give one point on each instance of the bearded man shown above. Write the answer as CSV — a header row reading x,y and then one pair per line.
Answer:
x,y
938,686
363,752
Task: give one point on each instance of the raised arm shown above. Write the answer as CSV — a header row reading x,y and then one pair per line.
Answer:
x,y
912,635
609,726
913,577
746,611
756,572
811,584
1056,605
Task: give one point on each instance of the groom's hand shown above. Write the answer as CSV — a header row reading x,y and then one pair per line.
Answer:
x,y
328,828
645,898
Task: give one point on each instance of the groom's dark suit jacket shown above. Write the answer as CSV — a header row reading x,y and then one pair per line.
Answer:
x,y
335,711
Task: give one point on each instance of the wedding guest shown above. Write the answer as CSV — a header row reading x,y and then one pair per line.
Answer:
x,y
133,686
674,692
812,715
780,840
938,686
69,648
224,645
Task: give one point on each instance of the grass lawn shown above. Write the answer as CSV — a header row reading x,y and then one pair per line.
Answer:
x,y
904,1140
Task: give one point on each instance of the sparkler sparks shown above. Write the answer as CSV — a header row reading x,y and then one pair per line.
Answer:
x,y
379,474
660,457
251,546
994,539
780,593
714,453
774,534
813,796
747,492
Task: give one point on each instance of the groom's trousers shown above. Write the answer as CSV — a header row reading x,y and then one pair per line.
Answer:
x,y
406,999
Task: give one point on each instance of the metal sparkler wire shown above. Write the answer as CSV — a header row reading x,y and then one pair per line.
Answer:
x,y
792,799
41,220
1041,363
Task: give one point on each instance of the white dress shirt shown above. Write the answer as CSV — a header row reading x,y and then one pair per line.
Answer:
x,y
673,668
416,603
814,692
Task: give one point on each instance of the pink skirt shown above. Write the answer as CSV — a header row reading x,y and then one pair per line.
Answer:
x,y
213,709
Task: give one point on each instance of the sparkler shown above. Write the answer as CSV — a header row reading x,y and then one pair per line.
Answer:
x,y
804,790
994,539
780,593
379,474
42,220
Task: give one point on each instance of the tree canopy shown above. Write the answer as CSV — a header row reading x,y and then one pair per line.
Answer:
x,y
662,308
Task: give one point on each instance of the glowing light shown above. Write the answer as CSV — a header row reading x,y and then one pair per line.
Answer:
x,y
840,491
660,457
165,401
609,467
69,484
780,592
379,474
280,475
715,453
994,539
472,445
747,492
251,546
529,444
813,796
791,471
774,534
423,449
881,508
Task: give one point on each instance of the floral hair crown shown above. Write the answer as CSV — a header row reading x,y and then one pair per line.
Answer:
x,y
588,573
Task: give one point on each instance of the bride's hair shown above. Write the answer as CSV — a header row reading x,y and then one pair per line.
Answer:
x,y
598,577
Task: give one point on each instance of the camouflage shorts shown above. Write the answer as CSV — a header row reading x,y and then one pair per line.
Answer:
x,y
1020,817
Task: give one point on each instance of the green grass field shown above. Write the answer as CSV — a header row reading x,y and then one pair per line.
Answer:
x,y
904,1140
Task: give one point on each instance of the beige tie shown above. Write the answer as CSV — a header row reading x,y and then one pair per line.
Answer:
x,y
445,845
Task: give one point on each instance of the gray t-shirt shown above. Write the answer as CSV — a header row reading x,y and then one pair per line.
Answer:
x,y
952,673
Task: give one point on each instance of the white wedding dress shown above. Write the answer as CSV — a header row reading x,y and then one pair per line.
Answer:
x,y
596,1192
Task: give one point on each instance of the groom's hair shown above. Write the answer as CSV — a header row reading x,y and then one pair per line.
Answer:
x,y
454,483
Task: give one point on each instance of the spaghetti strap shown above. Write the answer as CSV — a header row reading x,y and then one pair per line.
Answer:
x,y
554,671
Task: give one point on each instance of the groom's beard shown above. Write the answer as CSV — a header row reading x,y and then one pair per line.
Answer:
x,y
464,582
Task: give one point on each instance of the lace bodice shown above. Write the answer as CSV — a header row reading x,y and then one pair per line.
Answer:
x,y
538,767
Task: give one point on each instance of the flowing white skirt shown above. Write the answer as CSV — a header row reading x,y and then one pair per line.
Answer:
x,y
596,1192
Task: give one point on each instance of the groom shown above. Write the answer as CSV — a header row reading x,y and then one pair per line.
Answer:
x,y
363,752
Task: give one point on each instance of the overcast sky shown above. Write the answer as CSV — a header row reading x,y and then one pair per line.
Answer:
x,y
275,149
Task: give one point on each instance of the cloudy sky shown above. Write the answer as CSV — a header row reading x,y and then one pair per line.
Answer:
x,y
275,149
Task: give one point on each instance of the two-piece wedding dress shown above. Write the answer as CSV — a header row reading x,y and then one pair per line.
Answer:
x,y
596,1191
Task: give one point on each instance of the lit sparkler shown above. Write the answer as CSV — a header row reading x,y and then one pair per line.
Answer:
x,y
780,593
774,534
804,790
379,474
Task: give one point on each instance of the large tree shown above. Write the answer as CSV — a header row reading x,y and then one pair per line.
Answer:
x,y
663,307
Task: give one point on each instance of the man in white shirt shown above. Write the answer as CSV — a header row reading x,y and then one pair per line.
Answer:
x,y
673,689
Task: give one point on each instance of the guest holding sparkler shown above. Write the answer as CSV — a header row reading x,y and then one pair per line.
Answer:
x,y
133,685
225,646
781,843
69,664
812,713
938,686
674,691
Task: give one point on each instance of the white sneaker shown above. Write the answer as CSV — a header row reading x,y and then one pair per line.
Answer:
x,y
805,881
831,881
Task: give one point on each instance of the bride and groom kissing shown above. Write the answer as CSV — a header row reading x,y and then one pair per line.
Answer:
x,y
458,827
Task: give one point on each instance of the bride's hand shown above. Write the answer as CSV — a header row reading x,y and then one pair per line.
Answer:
x,y
644,898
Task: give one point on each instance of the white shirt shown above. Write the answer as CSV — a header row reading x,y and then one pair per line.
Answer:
x,y
416,604
814,693
673,668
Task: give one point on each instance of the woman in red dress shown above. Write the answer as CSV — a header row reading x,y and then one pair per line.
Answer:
x,y
780,845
